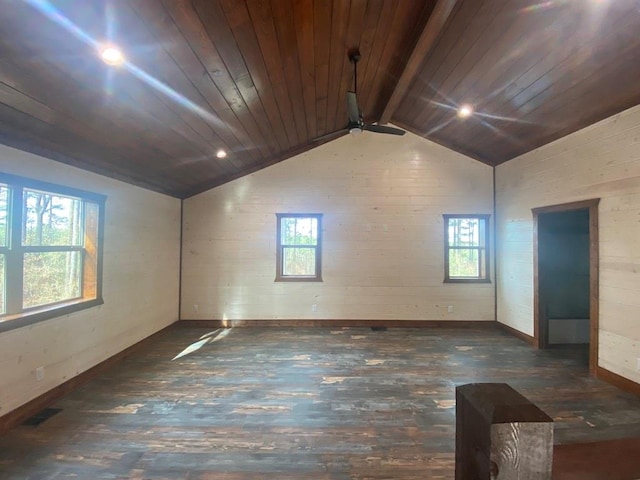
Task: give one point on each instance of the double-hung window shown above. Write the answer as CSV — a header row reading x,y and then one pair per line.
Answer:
x,y
298,247
466,250
50,250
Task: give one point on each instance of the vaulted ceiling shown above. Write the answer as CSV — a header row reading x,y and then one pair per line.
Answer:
x,y
264,79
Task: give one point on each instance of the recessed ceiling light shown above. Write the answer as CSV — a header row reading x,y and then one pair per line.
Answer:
x,y
221,153
465,111
111,55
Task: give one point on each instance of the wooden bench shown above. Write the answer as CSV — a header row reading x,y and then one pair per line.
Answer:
x,y
500,435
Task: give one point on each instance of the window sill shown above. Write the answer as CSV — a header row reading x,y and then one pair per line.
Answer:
x,y
467,280
36,315
298,279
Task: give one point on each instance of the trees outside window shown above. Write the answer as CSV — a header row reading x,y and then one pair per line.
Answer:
x,y
298,247
466,248
50,249
52,265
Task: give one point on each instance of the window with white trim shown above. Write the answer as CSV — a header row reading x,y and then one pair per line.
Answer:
x,y
299,251
466,250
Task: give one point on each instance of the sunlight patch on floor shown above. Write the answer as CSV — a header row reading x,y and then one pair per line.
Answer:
x,y
210,337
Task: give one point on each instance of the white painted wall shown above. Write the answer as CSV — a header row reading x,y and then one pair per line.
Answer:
x,y
382,197
140,285
601,161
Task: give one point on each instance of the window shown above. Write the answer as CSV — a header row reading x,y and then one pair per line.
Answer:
x,y
466,251
299,252
4,242
50,250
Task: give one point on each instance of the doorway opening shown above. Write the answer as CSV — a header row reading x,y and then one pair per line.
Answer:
x,y
566,277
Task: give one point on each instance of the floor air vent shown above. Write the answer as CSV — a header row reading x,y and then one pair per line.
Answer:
x,y
379,329
41,416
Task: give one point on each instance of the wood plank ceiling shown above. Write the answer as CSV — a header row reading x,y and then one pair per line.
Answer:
x,y
261,79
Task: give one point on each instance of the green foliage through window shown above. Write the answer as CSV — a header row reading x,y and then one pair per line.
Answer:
x,y
49,245
298,247
466,248
51,277
51,219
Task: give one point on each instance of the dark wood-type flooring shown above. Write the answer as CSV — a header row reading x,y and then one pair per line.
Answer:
x,y
300,403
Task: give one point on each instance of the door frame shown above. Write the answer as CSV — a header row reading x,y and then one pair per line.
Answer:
x,y
539,335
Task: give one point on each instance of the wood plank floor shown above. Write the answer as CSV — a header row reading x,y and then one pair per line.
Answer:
x,y
302,404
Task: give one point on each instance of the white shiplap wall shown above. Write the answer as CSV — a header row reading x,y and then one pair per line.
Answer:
x,y
140,285
382,198
601,161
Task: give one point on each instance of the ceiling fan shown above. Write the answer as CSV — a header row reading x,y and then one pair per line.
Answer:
x,y
356,123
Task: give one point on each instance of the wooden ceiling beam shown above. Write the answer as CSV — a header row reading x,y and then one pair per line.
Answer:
x,y
432,29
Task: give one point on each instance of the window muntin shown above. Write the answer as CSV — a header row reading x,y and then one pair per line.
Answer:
x,y
466,248
298,249
50,250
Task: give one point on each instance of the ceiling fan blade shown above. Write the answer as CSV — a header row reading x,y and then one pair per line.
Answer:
x,y
384,129
330,135
352,108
